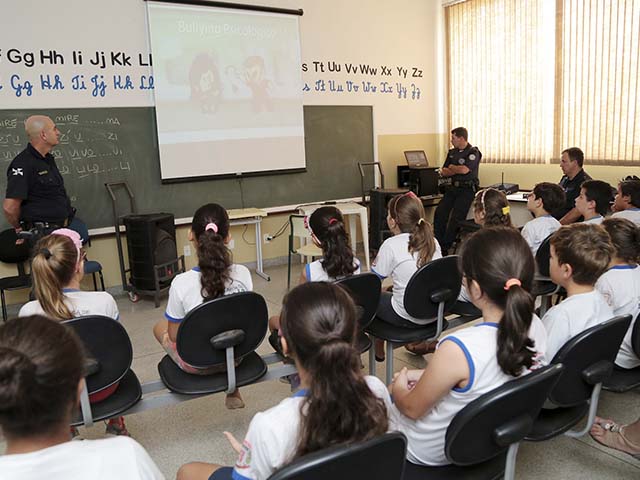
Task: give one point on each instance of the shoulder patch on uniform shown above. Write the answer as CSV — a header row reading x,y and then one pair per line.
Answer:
x,y
472,156
17,171
43,172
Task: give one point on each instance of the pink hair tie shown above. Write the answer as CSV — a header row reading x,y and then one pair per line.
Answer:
x,y
71,235
332,221
411,194
511,282
211,226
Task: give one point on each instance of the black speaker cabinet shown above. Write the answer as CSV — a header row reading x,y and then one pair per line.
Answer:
x,y
378,228
151,241
421,181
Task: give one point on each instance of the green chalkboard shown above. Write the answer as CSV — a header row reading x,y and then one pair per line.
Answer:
x,y
114,144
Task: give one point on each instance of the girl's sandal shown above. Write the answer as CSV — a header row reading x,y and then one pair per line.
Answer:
x,y
613,437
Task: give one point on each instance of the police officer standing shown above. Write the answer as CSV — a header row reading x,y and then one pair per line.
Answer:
x,y
35,188
461,167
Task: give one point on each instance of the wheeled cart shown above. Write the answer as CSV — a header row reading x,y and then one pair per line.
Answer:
x,y
159,274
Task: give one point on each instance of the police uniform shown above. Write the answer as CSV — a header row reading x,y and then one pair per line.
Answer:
x,y
458,196
572,191
36,180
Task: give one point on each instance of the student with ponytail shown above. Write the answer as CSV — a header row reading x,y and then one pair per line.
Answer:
x,y
336,405
41,375
491,208
214,277
326,226
412,246
57,268
498,270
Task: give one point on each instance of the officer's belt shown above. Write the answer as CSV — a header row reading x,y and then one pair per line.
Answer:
x,y
464,184
28,225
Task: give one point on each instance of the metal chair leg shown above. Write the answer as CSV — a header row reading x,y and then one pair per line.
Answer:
x,y
95,284
4,307
289,272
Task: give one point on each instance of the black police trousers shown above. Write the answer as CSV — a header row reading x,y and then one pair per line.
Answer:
x,y
452,209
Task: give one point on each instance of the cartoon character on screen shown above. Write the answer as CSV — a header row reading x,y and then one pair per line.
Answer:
x,y
254,77
204,80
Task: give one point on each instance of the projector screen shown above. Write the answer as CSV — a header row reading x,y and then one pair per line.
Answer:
x,y
228,90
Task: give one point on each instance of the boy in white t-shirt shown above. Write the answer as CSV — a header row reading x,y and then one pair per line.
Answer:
x,y
627,200
545,199
594,201
580,253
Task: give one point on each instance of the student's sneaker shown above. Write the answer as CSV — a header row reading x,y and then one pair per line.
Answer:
x,y
116,426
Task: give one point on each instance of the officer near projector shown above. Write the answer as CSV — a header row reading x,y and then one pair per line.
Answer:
x,y
36,197
461,170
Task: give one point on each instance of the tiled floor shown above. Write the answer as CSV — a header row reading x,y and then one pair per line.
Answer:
x,y
193,430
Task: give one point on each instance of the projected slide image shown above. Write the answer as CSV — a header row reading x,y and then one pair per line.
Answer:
x,y
215,70
228,90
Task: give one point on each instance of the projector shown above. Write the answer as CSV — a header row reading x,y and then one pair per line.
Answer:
x,y
507,188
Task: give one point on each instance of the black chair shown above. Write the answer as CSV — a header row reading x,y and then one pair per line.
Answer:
x,y
482,439
543,287
18,255
430,294
90,266
298,229
623,380
216,333
109,356
466,311
588,361
365,289
381,458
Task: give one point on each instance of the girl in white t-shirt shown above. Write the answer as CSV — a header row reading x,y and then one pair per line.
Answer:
x,y
337,405
620,284
57,268
41,373
498,270
214,277
326,227
412,246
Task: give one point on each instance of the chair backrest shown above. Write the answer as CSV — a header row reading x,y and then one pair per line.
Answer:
x,y
298,228
106,341
365,289
588,359
437,280
487,426
380,457
542,257
246,311
9,251
635,336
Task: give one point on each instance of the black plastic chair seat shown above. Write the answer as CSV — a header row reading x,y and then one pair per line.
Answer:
x,y
466,309
391,333
91,266
250,369
543,287
489,470
126,396
15,283
363,342
555,421
622,381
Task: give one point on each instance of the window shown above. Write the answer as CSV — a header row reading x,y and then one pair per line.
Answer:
x,y
529,78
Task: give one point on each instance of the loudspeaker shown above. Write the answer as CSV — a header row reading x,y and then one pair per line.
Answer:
x,y
421,181
151,241
378,228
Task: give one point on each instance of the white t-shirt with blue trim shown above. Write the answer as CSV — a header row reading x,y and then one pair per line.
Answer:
x,y
80,303
315,272
536,230
394,259
572,316
185,292
273,435
632,214
620,287
426,435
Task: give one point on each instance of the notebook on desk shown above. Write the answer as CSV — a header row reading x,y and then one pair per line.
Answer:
x,y
416,158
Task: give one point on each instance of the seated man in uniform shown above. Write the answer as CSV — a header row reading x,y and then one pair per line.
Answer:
x,y
461,166
574,176
35,189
